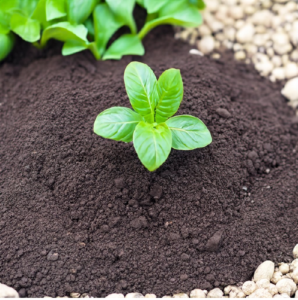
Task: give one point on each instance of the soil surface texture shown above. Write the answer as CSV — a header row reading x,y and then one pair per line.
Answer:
x,y
79,213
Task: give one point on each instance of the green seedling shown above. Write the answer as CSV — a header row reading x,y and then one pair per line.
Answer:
x,y
150,125
90,24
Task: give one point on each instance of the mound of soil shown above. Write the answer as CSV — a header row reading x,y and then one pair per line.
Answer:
x,y
81,214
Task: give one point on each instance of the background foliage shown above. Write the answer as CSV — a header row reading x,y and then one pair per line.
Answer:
x,y
90,24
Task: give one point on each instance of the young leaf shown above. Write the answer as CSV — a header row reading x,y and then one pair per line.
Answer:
x,y
55,9
71,47
105,25
198,3
140,83
64,31
117,123
79,10
152,144
27,28
170,94
6,44
174,13
123,11
154,5
188,133
39,14
27,7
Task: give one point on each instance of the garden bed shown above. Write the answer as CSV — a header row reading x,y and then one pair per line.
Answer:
x,y
82,214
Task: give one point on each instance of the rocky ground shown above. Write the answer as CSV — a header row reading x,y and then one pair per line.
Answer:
x,y
263,32
269,281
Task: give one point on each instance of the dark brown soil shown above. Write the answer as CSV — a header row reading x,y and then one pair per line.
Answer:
x,y
81,214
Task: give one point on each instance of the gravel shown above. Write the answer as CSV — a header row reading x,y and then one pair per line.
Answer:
x,y
262,32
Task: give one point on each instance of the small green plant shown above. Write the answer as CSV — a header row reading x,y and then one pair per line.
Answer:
x,y
90,24
150,125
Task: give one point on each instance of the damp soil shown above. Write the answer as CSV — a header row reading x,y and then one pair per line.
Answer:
x,y
81,214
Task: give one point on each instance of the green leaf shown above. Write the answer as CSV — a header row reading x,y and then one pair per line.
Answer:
x,y
6,44
90,26
123,11
184,14
71,47
39,14
78,11
127,44
117,123
154,5
140,83
105,25
55,9
26,7
64,31
188,133
27,28
9,5
170,94
140,2
152,143
4,22
198,3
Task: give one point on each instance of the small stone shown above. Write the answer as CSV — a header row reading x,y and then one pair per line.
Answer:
x,y
236,292
260,293
287,286
282,48
7,292
216,56
272,289
214,242
166,297
291,70
263,283
294,276
236,12
240,55
277,276
249,287
264,271
196,52
215,293
52,256
216,26
264,68
85,295
296,294
279,73
276,60
197,293
230,33
150,296
206,44
246,33
281,296
134,295
290,91
262,17
204,30
180,295
294,264
115,296
75,295
284,268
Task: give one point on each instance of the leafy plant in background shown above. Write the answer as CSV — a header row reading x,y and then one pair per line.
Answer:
x,y
90,24
150,125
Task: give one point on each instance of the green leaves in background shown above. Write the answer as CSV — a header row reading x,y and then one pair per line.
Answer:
x,y
28,29
64,31
188,133
79,10
37,21
127,44
170,94
123,12
152,144
117,123
179,12
154,134
6,44
140,83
